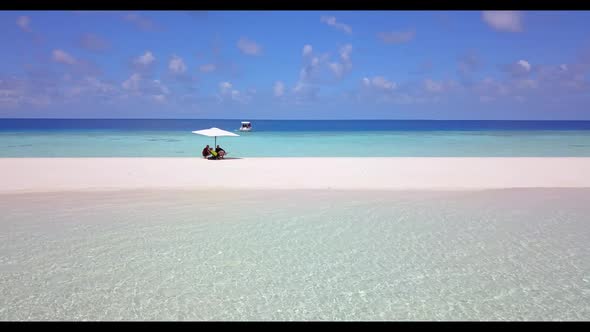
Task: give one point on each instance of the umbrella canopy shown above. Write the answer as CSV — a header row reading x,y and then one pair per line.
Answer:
x,y
214,132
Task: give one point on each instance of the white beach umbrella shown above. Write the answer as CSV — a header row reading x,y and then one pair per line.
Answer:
x,y
214,132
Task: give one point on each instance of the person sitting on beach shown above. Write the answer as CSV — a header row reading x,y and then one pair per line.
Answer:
x,y
206,152
220,151
214,155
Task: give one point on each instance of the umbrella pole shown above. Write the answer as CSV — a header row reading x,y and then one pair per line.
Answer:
x,y
215,142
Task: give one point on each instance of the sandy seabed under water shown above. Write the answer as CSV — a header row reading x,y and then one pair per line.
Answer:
x,y
514,254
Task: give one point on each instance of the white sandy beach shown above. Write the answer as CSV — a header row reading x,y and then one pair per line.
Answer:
x,y
58,174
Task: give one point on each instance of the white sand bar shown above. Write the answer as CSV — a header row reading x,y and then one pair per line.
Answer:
x,y
58,174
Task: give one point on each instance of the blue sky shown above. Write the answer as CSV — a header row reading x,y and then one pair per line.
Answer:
x,y
295,64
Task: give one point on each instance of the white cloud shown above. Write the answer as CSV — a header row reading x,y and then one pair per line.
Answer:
x,y
177,65
340,69
563,77
146,59
225,87
503,20
150,89
337,69
439,86
98,85
305,74
305,93
379,83
319,69
249,46
132,83
345,52
207,68
381,90
298,87
159,98
396,37
382,83
433,86
158,87
88,87
307,50
519,68
331,21
24,22
279,89
63,57
309,70
228,92
50,90
12,92
525,65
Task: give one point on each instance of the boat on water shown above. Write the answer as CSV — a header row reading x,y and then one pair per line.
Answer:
x,y
246,126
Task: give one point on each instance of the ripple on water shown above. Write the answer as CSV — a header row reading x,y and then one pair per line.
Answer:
x,y
165,255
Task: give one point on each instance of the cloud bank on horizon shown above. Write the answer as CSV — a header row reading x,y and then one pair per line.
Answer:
x,y
281,65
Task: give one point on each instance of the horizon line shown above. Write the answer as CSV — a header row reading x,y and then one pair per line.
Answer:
x,y
242,119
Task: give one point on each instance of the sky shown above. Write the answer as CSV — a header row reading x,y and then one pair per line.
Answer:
x,y
295,64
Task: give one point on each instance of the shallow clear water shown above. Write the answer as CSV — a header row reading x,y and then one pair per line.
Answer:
x,y
101,143
296,255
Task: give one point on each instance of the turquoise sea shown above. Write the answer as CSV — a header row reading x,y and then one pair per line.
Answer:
x,y
273,138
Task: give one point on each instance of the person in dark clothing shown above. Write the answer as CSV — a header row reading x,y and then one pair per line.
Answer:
x,y
206,152
220,151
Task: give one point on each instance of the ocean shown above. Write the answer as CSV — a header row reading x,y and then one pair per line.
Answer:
x,y
294,138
